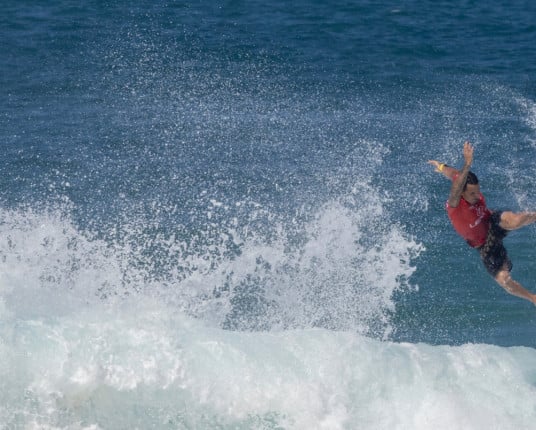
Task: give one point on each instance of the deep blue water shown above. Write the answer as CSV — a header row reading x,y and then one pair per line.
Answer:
x,y
258,168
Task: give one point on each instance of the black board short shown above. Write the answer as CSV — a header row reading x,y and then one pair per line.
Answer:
x,y
493,253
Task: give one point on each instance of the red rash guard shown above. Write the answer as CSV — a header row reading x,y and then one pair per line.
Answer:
x,y
471,221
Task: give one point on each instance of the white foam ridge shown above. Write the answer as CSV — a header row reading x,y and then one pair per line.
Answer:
x,y
144,365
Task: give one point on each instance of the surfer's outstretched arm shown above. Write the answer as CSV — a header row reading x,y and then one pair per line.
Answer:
x,y
444,169
449,171
458,184
457,187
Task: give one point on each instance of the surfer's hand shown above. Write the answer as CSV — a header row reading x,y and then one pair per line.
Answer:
x,y
468,153
436,164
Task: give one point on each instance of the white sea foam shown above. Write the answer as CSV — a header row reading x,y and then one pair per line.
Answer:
x,y
339,270
89,340
146,366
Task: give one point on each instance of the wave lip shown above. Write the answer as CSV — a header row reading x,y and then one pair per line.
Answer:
x,y
339,270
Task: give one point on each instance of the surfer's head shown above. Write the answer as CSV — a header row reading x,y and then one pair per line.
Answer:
x,y
471,180
471,189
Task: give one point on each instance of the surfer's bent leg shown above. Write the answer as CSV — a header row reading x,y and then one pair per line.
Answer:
x,y
512,220
496,260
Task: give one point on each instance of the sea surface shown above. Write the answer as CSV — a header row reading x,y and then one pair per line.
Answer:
x,y
219,215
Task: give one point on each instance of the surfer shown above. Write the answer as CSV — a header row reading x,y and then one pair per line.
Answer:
x,y
483,229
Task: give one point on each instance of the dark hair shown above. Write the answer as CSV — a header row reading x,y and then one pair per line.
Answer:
x,y
471,179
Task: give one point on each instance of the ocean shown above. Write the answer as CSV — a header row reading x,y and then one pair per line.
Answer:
x,y
219,215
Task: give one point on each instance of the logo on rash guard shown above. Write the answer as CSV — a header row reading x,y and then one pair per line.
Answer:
x,y
480,213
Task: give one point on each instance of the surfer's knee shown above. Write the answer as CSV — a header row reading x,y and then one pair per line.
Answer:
x,y
514,220
504,279
509,220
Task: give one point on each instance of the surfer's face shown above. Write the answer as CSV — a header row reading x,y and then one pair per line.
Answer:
x,y
472,193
